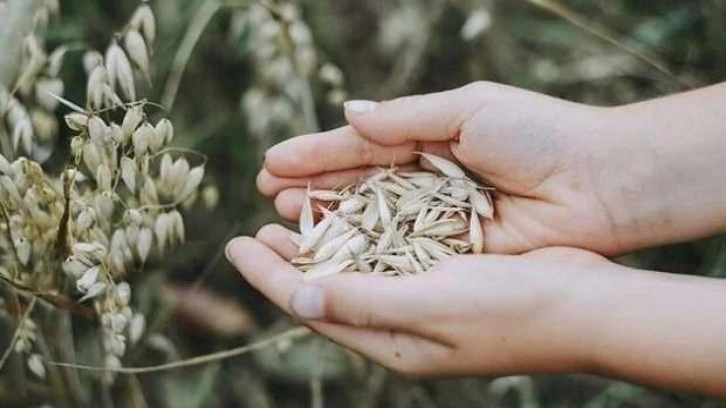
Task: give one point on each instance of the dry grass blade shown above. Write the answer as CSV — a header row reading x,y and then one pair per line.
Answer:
x,y
606,35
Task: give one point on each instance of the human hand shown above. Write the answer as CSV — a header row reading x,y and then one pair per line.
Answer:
x,y
559,168
469,315
554,310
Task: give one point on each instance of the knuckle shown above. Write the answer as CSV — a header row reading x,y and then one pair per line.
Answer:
x,y
353,311
362,318
365,151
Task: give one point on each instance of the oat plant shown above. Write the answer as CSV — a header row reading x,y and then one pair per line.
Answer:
x,y
72,240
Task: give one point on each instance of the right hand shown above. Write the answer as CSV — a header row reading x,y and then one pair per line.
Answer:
x,y
559,168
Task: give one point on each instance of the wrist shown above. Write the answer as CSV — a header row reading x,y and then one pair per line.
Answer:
x,y
563,335
659,329
658,182
671,183
583,312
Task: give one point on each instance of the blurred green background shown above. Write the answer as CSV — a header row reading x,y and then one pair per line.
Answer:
x,y
244,85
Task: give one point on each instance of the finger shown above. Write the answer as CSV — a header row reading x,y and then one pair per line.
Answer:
x,y
340,308
277,280
265,270
362,300
279,239
435,117
350,299
269,184
338,149
288,203
290,193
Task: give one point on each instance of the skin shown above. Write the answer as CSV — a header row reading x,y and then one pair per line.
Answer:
x,y
606,180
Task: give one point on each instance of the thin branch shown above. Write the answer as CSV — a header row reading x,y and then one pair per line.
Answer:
x,y
294,333
58,300
199,22
317,397
16,335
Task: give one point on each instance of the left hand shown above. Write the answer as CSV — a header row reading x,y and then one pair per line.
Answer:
x,y
469,315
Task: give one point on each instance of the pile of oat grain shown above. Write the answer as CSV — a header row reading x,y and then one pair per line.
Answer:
x,y
394,222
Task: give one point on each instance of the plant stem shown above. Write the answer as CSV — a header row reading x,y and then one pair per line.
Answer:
x,y
54,375
292,334
67,351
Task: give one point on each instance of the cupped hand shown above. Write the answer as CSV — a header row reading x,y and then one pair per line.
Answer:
x,y
469,315
554,163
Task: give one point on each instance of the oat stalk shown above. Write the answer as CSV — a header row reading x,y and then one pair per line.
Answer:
x,y
199,22
291,334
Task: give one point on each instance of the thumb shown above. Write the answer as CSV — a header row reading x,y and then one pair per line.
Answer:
x,y
435,117
359,300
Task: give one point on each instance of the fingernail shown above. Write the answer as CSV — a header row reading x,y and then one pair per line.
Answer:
x,y
228,250
360,106
308,302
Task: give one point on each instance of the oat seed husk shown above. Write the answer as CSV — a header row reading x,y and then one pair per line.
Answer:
x,y
394,222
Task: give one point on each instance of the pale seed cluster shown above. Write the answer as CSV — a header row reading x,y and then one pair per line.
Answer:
x,y
27,123
112,210
394,222
112,77
28,126
282,50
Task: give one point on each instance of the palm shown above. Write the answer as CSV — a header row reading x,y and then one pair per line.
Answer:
x,y
410,324
543,198
537,206
533,149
